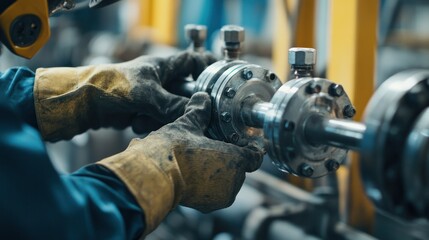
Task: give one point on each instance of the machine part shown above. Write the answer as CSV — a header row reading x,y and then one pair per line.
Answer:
x,y
389,118
227,121
302,61
196,35
415,166
232,36
286,122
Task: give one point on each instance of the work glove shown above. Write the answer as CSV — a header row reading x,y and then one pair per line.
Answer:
x,y
179,165
69,101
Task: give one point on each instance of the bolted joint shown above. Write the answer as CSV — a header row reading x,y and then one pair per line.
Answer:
x,y
196,34
332,165
313,88
226,117
247,74
336,90
229,92
349,111
306,170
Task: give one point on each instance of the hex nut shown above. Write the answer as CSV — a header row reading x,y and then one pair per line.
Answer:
x,y
226,117
229,92
336,90
302,56
306,170
195,32
332,165
232,34
349,111
247,74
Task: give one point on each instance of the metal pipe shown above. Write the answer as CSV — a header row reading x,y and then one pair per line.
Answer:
x,y
253,112
334,132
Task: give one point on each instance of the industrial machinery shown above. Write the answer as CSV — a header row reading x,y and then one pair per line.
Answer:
x,y
306,126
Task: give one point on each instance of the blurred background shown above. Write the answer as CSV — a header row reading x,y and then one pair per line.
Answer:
x,y
360,43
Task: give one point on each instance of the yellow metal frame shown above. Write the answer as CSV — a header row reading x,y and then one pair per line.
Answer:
x,y
351,62
157,20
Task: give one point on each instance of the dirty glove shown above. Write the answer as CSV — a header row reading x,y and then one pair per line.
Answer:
x,y
179,165
69,101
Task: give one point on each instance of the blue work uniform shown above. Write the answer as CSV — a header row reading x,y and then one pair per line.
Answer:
x,y
36,202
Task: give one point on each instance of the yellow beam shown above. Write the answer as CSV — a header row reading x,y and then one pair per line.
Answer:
x,y
294,25
351,62
156,20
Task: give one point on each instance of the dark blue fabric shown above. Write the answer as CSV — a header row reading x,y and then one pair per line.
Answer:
x,y
16,85
37,203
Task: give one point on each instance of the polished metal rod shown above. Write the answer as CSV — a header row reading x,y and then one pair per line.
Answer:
x,y
335,132
253,113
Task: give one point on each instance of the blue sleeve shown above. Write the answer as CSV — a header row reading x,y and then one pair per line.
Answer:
x,y
37,203
16,85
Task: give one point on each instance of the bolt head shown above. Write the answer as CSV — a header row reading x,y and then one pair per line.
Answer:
x,y
226,117
306,170
234,138
336,90
313,88
302,56
229,92
247,74
232,34
195,32
349,111
332,165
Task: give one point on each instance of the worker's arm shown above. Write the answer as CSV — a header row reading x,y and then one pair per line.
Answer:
x,y
37,203
16,85
69,101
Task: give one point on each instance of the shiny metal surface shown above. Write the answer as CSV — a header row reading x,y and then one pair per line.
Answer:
x,y
260,87
284,124
415,166
334,132
232,37
389,118
197,35
302,61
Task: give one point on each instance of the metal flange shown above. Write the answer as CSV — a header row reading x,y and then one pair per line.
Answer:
x,y
293,104
389,118
230,84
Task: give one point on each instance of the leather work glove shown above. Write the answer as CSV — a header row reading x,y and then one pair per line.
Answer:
x,y
179,165
69,101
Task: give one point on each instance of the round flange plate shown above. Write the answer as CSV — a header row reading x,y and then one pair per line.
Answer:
x,y
210,75
236,84
229,84
284,125
389,118
415,167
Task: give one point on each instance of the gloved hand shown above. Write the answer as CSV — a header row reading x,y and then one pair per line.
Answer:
x,y
179,165
69,101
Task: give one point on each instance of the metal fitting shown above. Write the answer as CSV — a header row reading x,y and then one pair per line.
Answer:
x,y
197,35
226,117
313,88
349,111
336,90
229,92
302,61
232,36
332,165
247,74
306,170
234,138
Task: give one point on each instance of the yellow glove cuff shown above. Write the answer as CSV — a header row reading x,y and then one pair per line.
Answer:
x,y
65,98
156,185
